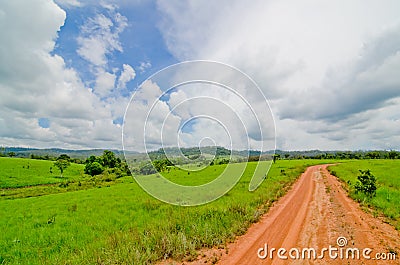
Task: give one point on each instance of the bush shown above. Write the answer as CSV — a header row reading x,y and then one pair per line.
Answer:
x,y
366,183
147,169
93,168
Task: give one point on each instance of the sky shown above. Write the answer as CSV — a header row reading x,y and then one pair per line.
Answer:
x,y
329,70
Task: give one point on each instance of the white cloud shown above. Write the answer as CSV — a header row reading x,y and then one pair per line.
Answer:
x,y
127,74
141,117
35,83
163,114
69,3
104,83
317,62
144,66
100,37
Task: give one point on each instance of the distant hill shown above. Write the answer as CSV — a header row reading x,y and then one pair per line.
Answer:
x,y
193,151
175,151
55,152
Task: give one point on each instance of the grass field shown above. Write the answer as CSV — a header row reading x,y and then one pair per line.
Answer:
x,y
387,200
121,224
20,172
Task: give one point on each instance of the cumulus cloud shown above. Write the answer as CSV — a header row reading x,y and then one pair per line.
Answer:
x,y
321,64
329,70
105,82
69,3
367,83
36,83
100,37
97,42
127,74
167,111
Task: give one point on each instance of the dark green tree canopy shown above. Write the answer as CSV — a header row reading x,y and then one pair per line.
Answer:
x,y
94,168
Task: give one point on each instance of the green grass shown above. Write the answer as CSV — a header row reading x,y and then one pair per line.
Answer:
x,y
20,172
122,224
387,172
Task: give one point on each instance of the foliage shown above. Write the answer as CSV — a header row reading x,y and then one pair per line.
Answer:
x,y
154,166
110,160
366,183
62,163
93,168
147,169
95,165
386,201
393,155
162,165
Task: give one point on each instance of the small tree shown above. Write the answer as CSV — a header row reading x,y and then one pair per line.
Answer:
x,y
64,157
161,165
147,169
276,157
393,155
93,168
366,183
109,159
62,164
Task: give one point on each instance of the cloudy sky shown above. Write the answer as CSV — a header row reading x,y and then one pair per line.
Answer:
x,y
329,69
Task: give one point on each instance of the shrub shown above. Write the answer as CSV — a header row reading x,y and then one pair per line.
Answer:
x,y
93,168
366,183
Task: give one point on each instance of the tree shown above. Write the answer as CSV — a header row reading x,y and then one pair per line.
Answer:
x,y
93,168
366,183
107,162
64,157
62,164
109,159
393,155
162,165
147,169
372,155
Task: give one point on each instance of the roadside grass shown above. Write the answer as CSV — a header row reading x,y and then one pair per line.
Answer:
x,y
20,172
387,173
121,224
84,183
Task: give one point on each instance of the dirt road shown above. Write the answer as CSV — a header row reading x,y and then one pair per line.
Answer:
x,y
314,214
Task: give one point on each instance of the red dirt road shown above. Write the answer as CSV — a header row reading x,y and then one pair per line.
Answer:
x,y
313,214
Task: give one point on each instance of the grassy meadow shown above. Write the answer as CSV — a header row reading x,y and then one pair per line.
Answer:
x,y
20,172
101,220
387,199
121,224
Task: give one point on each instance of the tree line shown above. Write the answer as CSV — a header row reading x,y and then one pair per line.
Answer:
x,y
96,165
379,154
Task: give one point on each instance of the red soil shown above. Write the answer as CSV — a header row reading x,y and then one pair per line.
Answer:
x,y
313,214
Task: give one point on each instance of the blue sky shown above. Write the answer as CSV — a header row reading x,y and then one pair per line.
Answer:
x,y
328,69
141,40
